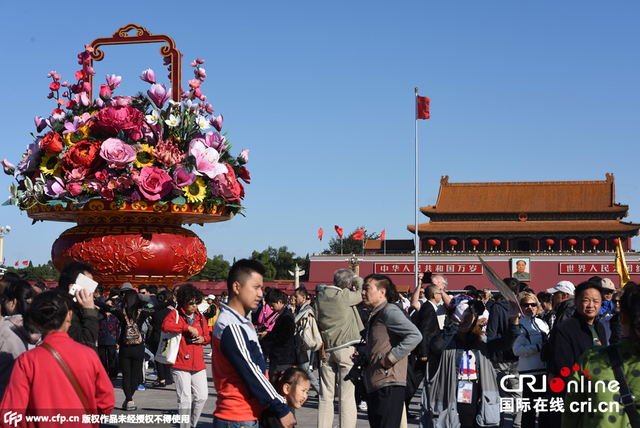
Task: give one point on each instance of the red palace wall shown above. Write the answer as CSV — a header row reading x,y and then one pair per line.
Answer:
x,y
462,270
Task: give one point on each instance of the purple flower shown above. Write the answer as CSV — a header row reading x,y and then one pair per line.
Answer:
x,y
183,178
158,94
28,162
41,123
148,76
72,128
215,140
9,169
54,188
216,122
114,81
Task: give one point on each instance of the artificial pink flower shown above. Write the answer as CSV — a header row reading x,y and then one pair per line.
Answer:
x,y
148,76
117,153
105,92
8,167
216,122
154,183
76,174
243,157
158,94
183,178
206,159
74,188
54,86
113,81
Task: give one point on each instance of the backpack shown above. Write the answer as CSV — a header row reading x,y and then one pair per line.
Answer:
x,y
132,335
309,336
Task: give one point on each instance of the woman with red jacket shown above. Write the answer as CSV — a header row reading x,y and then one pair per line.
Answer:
x,y
189,371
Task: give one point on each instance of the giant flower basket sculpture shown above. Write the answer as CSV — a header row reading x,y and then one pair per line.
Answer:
x,y
130,170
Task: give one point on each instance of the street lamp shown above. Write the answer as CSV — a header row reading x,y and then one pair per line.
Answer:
x,y
4,230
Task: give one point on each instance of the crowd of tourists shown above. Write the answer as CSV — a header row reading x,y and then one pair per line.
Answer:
x,y
565,357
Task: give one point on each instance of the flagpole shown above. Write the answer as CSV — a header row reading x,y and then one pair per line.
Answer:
x,y
417,237
385,242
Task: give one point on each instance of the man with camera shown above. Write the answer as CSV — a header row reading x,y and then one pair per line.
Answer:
x,y
340,326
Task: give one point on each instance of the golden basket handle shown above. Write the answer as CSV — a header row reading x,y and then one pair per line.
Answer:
x,y
121,37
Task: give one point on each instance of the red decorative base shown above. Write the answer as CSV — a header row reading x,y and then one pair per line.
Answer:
x,y
142,243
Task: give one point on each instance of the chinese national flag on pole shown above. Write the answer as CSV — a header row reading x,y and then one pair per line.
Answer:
x,y
382,235
339,231
621,265
358,235
422,109
26,263
320,232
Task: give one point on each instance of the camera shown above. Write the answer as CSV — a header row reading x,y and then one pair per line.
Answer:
x,y
359,365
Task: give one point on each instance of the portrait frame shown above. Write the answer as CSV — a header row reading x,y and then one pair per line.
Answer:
x,y
524,276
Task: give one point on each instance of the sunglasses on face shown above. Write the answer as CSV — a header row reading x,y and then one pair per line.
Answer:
x,y
608,291
529,305
615,301
192,303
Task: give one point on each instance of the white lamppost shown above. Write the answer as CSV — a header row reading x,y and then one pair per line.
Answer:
x,y
4,230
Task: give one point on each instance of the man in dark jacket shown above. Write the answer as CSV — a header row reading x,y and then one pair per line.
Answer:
x,y
282,354
575,336
563,303
427,323
84,324
505,363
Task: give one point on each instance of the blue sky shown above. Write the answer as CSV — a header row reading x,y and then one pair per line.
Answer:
x,y
322,96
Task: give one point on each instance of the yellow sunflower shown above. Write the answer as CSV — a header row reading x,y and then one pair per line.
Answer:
x,y
50,164
70,139
196,191
144,157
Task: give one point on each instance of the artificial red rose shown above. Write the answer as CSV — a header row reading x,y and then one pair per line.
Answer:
x,y
52,143
119,118
83,154
154,183
228,185
244,175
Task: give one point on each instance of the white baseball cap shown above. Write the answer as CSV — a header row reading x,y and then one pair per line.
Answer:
x,y
211,296
607,284
564,286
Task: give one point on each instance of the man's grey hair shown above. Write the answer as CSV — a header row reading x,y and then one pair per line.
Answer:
x,y
444,279
342,278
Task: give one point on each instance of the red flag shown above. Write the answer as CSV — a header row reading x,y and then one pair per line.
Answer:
x,y
17,263
320,232
358,235
382,235
339,231
26,263
422,109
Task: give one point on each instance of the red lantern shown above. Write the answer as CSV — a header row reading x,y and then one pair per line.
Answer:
x,y
496,243
594,242
572,242
431,243
453,243
615,241
474,242
550,242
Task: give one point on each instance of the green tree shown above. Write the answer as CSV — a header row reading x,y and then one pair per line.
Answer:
x,y
216,269
349,245
46,272
279,262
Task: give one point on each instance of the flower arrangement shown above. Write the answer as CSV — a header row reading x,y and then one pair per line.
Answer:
x,y
129,148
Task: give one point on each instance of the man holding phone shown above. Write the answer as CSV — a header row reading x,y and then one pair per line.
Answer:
x,y
84,323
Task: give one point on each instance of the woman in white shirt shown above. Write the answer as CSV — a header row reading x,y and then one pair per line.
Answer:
x,y
527,347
